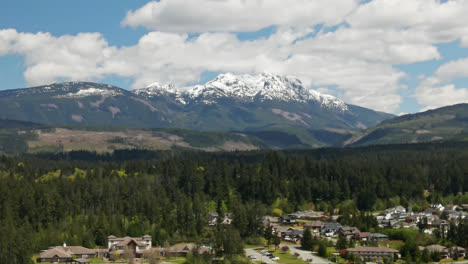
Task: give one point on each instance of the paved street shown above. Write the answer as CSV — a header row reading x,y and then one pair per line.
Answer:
x,y
260,257
306,255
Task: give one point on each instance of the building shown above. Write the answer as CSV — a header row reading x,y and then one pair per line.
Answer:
x,y
66,254
292,235
362,236
287,220
373,252
330,228
54,255
377,237
348,232
183,249
136,245
446,252
314,225
213,219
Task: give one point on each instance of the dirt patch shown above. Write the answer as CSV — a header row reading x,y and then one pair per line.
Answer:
x,y
114,110
49,106
289,115
150,106
106,141
233,146
77,118
423,131
98,102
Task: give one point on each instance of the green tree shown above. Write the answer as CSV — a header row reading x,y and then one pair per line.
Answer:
x,y
307,240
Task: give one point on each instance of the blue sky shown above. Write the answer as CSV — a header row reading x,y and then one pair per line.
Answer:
x,y
391,56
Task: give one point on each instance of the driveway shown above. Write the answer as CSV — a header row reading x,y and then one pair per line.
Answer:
x,y
306,255
259,257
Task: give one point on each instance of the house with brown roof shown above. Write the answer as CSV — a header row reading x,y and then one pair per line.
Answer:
x,y
373,252
314,225
136,245
348,232
182,250
54,255
446,252
362,236
66,254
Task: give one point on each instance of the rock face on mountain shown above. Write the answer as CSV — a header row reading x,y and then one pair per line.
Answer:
x,y
265,102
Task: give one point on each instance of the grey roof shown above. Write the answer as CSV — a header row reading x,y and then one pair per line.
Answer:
x,y
51,253
78,250
379,235
128,240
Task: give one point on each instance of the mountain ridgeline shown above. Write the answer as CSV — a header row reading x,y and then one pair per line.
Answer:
x,y
276,109
443,124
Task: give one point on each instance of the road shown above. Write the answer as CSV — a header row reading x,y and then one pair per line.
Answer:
x,y
260,257
306,255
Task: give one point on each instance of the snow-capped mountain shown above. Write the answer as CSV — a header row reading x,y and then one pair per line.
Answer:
x,y
156,89
246,88
272,107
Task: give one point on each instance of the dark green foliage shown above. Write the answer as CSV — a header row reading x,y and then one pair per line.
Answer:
x,y
322,250
307,242
342,242
82,197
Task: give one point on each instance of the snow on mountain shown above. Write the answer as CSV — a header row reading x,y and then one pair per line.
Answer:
x,y
262,87
91,91
155,89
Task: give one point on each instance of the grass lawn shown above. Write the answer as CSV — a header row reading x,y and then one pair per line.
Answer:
x,y
287,258
96,260
253,246
176,260
331,250
395,245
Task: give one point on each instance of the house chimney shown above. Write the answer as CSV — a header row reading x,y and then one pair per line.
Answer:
x,y
64,244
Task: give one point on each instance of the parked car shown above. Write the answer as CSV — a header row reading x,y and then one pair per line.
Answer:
x,y
275,258
252,257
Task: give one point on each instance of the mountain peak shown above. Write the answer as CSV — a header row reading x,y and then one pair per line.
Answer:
x,y
265,86
156,89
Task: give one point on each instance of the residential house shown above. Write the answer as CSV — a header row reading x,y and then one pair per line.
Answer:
x,y
464,207
348,232
362,236
136,245
287,220
397,209
377,237
443,251
66,253
459,251
314,225
330,228
269,220
373,252
439,207
183,249
213,219
291,234
54,255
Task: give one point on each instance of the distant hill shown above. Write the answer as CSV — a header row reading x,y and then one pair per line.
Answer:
x,y
265,106
443,124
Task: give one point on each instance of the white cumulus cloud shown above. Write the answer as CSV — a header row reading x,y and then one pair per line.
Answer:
x,y
237,15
